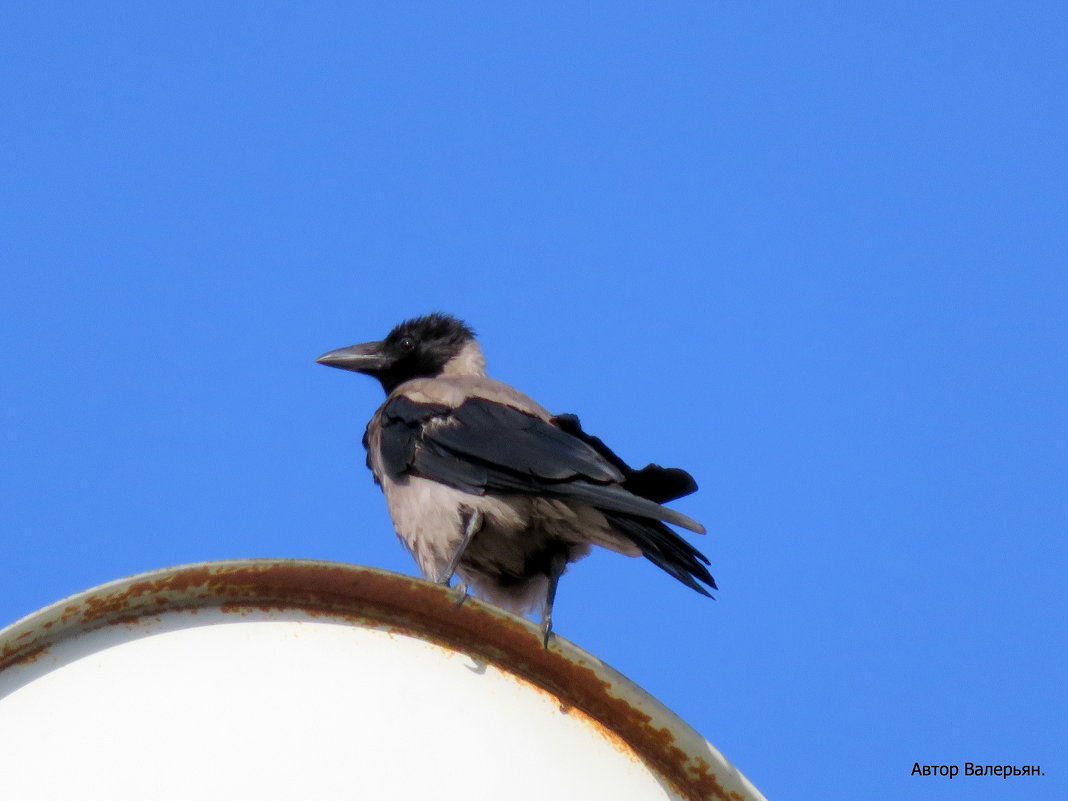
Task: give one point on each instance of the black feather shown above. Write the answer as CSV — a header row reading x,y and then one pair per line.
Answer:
x,y
503,436
482,446
667,550
658,484
526,454
402,424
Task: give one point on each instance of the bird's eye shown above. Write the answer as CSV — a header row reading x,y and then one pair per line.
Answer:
x,y
407,344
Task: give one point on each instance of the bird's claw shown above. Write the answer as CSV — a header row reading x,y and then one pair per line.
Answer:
x,y
459,593
547,632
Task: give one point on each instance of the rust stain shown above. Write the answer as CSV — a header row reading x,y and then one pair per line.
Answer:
x,y
25,656
404,605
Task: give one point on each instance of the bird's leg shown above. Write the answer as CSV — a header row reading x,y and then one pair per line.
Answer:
x,y
471,521
556,569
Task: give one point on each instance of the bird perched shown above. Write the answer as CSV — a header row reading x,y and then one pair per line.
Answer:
x,y
482,481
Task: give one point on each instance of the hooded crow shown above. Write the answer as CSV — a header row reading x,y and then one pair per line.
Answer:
x,y
483,482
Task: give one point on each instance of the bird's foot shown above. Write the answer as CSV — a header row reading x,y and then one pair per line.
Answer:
x,y
459,593
546,631
556,569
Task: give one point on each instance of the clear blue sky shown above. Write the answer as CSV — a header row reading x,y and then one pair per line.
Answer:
x,y
814,254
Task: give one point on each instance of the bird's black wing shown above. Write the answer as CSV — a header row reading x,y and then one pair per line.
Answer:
x,y
483,446
659,484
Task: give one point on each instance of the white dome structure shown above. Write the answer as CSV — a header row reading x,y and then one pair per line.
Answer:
x,y
284,679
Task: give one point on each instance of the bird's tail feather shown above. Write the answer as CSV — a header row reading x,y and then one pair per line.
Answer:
x,y
616,500
667,550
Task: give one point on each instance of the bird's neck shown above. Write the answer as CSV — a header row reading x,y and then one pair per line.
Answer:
x,y
469,361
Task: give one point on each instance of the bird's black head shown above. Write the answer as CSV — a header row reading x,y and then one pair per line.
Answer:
x,y
417,348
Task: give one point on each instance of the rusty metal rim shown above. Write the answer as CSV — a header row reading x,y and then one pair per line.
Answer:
x,y
401,603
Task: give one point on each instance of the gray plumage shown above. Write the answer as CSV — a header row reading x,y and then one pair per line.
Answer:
x,y
480,478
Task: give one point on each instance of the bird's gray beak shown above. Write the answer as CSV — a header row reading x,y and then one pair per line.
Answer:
x,y
365,358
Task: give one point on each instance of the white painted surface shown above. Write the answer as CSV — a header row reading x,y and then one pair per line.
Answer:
x,y
282,705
